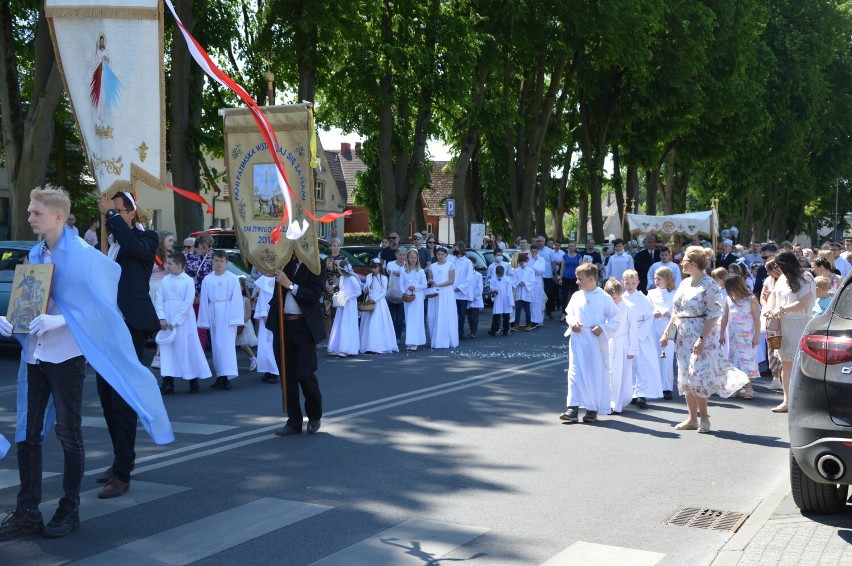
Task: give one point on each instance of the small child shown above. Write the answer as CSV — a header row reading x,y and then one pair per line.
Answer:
x,y
266,362
221,309
741,320
592,316
620,362
524,281
719,275
823,293
476,304
502,301
647,383
247,338
182,357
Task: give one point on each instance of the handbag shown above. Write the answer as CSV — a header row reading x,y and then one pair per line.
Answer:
x,y
338,300
367,305
773,332
394,294
774,342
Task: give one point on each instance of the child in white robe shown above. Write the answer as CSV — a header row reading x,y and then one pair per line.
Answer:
x,y
183,356
476,304
377,333
537,264
502,300
523,279
413,283
343,340
646,367
620,362
266,362
220,308
662,297
592,316
247,337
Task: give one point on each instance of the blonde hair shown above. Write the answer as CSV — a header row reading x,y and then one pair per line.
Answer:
x,y
822,282
719,273
586,270
613,287
666,274
629,273
828,255
696,255
53,198
417,255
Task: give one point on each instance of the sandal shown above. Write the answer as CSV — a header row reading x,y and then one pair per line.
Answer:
x,y
782,408
747,392
705,426
687,425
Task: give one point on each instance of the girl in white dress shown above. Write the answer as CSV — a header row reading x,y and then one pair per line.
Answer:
x,y
445,329
413,283
183,357
343,340
266,362
247,338
662,297
377,335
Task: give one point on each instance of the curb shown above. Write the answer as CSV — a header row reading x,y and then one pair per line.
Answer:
x,y
733,550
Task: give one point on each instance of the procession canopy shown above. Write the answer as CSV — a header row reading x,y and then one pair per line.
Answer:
x,y
689,224
110,56
258,198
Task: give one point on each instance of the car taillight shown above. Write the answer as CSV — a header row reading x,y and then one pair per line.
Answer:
x,y
828,350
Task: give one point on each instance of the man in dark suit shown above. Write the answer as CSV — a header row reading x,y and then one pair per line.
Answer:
x,y
134,250
303,330
727,257
644,259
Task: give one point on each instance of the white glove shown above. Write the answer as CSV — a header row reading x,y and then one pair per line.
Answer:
x,y
5,327
45,323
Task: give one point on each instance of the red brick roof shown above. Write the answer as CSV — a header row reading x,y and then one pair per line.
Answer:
x,y
349,164
439,188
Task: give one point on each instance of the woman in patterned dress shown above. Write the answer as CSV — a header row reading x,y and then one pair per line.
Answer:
x,y
702,367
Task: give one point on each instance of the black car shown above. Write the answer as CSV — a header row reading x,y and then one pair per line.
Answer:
x,y
820,409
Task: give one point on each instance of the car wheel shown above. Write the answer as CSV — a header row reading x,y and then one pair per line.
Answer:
x,y
815,497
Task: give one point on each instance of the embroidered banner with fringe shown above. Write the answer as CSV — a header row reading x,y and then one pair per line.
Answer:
x,y
110,56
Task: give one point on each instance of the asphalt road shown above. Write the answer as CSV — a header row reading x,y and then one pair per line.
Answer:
x,y
423,458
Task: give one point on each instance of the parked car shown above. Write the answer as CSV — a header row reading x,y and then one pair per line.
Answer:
x,y
12,254
488,255
222,239
820,410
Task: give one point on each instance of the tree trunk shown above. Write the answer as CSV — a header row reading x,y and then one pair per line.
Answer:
x,y
747,228
27,140
306,41
582,218
633,189
543,190
652,184
667,189
185,89
461,176
618,187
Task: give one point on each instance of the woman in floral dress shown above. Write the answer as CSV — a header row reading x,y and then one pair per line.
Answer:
x,y
702,367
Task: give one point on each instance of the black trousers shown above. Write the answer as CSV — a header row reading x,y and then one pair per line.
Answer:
x,y
569,287
552,295
65,382
496,320
120,418
300,362
473,320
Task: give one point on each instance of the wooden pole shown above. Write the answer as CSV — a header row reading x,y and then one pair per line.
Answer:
x,y
282,369
104,243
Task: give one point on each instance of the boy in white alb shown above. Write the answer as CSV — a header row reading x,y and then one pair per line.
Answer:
x,y
619,262
502,301
646,367
182,356
221,309
620,361
592,316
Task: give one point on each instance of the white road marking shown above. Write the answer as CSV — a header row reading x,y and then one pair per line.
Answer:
x,y
177,426
591,554
415,542
91,507
10,478
208,536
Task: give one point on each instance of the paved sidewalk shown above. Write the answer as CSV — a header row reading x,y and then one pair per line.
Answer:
x,y
790,538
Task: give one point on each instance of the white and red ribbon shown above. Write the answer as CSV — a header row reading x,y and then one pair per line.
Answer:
x,y
294,231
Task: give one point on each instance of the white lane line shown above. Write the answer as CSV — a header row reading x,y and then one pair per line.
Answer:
x,y
590,554
177,426
10,478
208,536
92,507
467,384
415,542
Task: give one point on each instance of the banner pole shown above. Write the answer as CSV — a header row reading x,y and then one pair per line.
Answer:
x,y
104,243
282,358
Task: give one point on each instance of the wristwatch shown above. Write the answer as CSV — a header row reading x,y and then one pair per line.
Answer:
x,y
292,285
111,212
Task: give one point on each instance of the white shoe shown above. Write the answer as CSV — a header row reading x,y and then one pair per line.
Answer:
x,y
776,384
155,363
253,364
342,355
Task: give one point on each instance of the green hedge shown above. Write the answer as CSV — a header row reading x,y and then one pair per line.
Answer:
x,y
360,239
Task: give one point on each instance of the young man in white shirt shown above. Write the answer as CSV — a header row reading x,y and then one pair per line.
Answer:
x,y
619,262
665,261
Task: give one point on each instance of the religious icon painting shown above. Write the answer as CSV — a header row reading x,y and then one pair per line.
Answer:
x,y
30,294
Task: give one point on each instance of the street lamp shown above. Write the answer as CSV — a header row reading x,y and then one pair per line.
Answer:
x,y
270,93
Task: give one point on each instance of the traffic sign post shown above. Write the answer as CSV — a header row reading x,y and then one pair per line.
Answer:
x,y
451,213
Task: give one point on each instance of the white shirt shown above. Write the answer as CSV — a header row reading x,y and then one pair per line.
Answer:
x,y
617,264
843,266
675,269
54,346
546,254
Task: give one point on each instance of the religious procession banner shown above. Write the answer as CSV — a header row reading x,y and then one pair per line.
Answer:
x,y
690,224
110,56
257,197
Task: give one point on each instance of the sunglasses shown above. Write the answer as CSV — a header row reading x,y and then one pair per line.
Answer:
x,y
431,242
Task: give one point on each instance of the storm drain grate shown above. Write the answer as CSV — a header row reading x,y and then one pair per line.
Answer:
x,y
710,519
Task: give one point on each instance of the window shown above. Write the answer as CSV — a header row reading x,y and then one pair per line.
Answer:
x,y
320,191
429,228
156,215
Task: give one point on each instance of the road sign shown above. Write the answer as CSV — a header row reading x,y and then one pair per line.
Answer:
x,y
451,208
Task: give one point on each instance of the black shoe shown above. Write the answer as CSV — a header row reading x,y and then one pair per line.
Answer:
x,y
168,386
19,523
64,522
570,415
667,395
269,378
641,403
492,333
193,385
633,401
217,384
105,477
287,430
226,383
590,417
313,426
